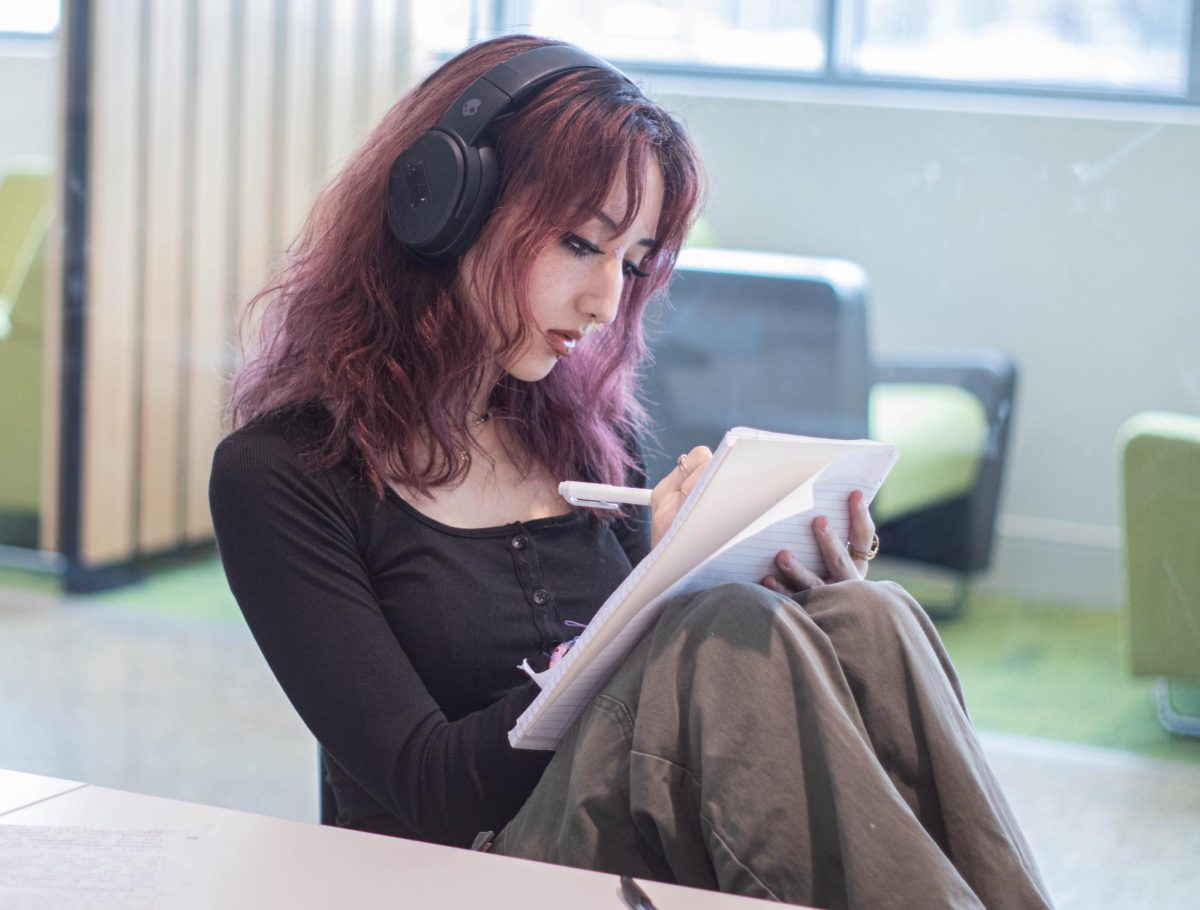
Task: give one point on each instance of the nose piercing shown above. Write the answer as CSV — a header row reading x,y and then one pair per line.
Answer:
x,y
593,326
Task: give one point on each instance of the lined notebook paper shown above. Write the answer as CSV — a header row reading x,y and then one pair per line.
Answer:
x,y
759,495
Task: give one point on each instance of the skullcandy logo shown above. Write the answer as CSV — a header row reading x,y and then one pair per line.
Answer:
x,y
471,108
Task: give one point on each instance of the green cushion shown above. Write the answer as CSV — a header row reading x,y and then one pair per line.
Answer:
x,y
24,196
940,431
1160,467
24,202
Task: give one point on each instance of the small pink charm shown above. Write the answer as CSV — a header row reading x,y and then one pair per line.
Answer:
x,y
560,651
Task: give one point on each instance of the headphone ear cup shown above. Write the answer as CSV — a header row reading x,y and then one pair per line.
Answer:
x,y
481,182
425,190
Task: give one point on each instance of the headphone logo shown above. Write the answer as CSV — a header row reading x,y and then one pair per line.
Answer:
x,y
471,108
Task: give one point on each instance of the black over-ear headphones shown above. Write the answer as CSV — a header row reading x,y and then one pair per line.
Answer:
x,y
441,188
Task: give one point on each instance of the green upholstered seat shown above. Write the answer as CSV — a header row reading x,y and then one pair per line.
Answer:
x,y
24,196
1160,479
24,217
940,431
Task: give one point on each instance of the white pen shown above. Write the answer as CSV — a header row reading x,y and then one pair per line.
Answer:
x,y
601,495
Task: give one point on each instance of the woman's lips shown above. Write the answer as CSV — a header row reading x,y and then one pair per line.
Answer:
x,y
563,343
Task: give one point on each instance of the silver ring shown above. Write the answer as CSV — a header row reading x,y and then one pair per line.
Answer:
x,y
682,462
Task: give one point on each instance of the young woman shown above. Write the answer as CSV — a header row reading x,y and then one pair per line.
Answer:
x,y
430,367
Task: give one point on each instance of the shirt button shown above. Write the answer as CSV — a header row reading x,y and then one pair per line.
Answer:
x,y
519,542
540,596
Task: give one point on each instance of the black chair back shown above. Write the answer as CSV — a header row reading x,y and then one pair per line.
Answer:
x,y
764,340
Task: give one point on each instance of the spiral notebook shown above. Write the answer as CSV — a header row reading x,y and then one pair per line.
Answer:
x,y
758,496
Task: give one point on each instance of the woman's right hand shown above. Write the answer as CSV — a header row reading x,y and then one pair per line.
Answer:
x,y
670,492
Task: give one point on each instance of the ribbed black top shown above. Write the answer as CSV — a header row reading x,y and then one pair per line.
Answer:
x,y
396,637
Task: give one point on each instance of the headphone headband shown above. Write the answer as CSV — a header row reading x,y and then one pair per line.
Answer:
x,y
507,86
441,188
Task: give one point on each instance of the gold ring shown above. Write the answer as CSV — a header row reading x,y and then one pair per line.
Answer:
x,y
869,554
682,462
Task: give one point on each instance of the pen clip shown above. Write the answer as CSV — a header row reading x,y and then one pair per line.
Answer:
x,y
592,503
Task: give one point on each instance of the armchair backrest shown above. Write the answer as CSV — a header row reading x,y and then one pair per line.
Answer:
x,y
24,194
1160,507
24,215
770,341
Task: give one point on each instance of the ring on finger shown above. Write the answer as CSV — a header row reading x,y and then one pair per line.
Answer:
x,y
683,466
867,555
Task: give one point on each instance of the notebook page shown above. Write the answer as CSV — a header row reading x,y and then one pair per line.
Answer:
x,y
751,471
750,556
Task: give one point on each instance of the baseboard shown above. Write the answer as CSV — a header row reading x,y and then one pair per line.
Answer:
x,y
1036,559
1065,562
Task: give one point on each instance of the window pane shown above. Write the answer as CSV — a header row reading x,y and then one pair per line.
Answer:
x,y
441,28
756,34
30,16
1118,44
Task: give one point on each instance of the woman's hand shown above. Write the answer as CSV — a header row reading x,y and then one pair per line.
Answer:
x,y
670,492
839,564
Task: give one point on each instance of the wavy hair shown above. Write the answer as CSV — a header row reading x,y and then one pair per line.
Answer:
x,y
395,349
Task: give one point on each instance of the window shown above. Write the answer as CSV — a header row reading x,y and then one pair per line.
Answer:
x,y
1113,44
29,17
1109,48
758,34
442,28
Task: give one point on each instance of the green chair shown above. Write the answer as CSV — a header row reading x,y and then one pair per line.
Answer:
x,y
1160,500
24,218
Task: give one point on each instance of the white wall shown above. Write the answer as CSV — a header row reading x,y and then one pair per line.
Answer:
x,y
28,95
1064,234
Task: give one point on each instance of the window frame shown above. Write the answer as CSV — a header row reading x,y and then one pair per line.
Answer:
x,y
502,16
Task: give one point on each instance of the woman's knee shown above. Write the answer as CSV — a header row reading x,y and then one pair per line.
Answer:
x,y
876,608
735,608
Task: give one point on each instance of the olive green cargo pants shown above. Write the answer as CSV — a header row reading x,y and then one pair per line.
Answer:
x,y
812,750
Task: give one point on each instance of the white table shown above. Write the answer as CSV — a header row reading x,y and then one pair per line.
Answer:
x,y
260,862
18,789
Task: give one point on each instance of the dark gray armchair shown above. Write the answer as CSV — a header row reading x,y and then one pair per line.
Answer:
x,y
781,343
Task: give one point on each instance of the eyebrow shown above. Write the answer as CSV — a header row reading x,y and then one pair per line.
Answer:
x,y
612,226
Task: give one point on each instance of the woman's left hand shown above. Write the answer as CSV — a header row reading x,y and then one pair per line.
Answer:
x,y
839,564
670,492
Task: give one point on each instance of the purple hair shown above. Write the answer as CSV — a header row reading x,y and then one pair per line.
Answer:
x,y
390,346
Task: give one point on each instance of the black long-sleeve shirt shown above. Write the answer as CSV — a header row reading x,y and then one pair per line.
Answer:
x,y
397,638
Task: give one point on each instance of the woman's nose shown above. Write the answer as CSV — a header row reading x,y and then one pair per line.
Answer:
x,y
604,296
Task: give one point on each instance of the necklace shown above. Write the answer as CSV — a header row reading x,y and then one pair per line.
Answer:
x,y
477,422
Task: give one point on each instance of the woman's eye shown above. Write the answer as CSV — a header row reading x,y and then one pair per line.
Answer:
x,y
632,271
579,246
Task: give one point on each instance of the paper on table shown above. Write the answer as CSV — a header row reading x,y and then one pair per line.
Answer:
x,y
77,868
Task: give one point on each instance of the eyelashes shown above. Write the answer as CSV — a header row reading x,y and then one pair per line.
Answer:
x,y
581,248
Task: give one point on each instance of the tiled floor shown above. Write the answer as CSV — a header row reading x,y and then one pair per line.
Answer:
x,y
188,709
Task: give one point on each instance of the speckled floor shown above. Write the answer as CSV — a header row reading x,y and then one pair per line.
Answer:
x,y
187,709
